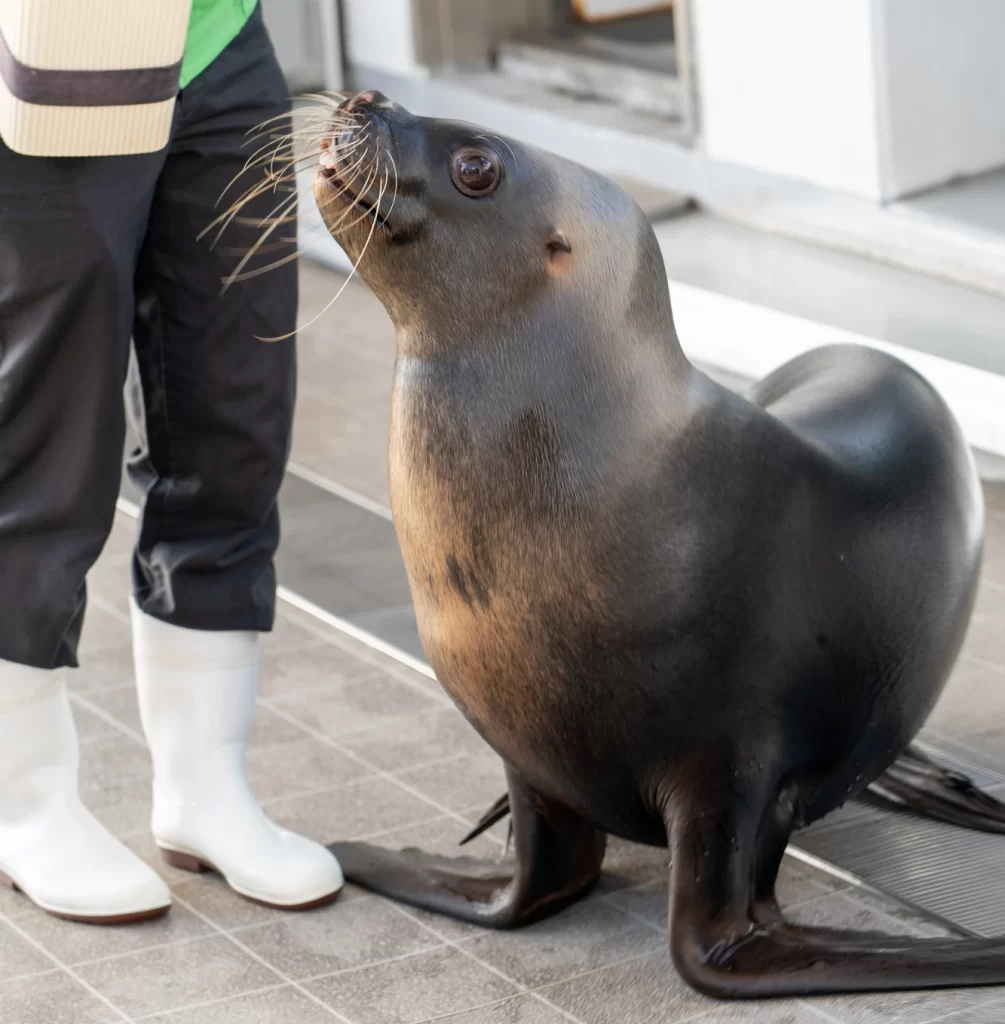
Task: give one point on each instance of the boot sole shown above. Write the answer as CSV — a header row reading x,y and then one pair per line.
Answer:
x,y
198,866
111,920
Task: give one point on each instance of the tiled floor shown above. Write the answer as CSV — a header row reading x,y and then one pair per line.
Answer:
x,y
349,743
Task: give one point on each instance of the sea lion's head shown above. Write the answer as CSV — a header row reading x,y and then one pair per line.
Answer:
x,y
452,225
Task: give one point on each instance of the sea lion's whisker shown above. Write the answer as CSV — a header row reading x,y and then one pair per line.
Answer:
x,y
300,111
244,262
265,270
331,100
278,215
257,222
394,196
345,284
224,219
371,178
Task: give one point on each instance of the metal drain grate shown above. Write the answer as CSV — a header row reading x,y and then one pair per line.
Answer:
x,y
947,873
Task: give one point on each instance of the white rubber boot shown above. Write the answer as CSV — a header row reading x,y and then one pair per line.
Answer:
x,y
197,693
51,847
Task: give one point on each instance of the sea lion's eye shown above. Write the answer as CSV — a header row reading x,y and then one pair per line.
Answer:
x,y
475,172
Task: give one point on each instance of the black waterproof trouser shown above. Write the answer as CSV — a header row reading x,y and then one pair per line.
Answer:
x,y
94,254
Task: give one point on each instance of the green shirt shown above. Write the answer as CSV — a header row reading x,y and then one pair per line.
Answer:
x,y
212,26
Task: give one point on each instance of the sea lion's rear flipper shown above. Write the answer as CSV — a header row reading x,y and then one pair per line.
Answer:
x,y
918,785
557,859
728,940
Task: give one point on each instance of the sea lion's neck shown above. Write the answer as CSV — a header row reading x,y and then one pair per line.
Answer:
x,y
561,403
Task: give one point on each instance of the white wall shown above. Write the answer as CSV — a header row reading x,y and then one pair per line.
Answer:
x,y
878,98
379,34
788,86
942,93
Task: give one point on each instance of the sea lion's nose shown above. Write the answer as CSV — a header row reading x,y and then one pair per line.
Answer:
x,y
370,98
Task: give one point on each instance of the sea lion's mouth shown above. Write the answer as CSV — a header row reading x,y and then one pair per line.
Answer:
x,y
353,200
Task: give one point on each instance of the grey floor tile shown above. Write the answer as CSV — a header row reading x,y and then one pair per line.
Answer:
x,y
918,923
111,580
91,726
343,708
144,846
400,744
344,525
355,934
442,835
121,704
18,956
71,943
119,545
649,902
312,670
988,1013
643,991
123,812
110,669
12,904
973,698
209,896
902,1007
582,938
299,766
115,781
767,1012
270,728
338,554
278,1006
424,986
396,626
798,883
627,864
841,910
989,745
522,1010
468,781
102,631
52,999
357,810
287,634
348,455
172,977
984,639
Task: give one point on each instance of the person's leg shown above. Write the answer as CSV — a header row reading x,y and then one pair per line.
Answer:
x,y
69,236
217,408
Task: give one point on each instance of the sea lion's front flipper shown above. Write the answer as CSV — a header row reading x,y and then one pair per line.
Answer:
x,y
918,785
728,941
557,858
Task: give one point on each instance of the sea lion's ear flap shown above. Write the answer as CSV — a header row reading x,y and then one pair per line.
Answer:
x,y
558,243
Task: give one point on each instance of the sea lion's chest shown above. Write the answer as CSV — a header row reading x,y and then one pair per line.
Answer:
x,y
491,572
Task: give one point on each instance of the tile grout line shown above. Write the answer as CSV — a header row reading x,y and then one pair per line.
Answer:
x,y
385,776
70,972
536,993
230,937
347,494
992,665
208,1002
474,1009
30,975
607,900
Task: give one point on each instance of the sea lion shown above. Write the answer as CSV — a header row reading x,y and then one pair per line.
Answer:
x,y
680,616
